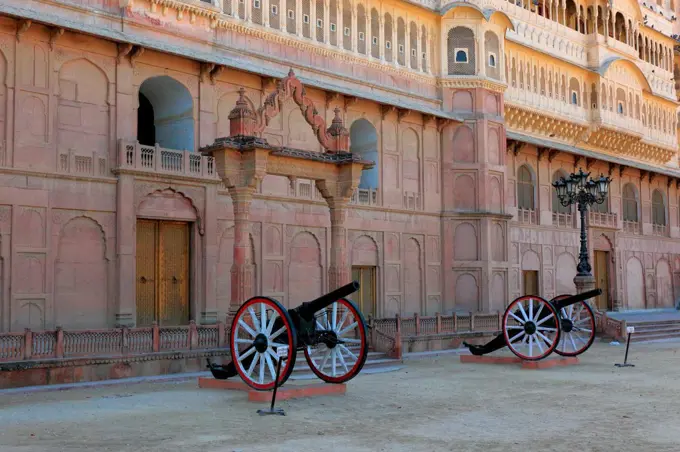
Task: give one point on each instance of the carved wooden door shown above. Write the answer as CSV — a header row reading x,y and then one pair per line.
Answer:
x,y
531,282
162,272
602,279
365,297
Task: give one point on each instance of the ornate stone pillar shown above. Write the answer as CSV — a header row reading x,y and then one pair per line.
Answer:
x,y
242,267
126,222
338,272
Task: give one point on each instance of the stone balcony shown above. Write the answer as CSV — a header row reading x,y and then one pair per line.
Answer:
x,y
603,219
155,159
527,216
631,227
660,230
365,197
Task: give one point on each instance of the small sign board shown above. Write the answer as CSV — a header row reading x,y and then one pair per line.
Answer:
x,y
282,351
630,329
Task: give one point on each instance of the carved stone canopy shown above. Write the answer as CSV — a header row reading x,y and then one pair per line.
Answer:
x,y
243,161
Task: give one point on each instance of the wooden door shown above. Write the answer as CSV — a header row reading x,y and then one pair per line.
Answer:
x,y
602,279
162,272
365,297
531,282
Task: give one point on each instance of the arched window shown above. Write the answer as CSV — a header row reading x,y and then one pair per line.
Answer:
x,y
574,98
658,209
630,204
557,207
461,51
525,188
493,50
364,142
166,114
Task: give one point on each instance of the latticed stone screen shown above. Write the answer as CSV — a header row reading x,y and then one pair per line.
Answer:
x,y
274,14
621,100
401,42
375,33
256,11
226,7
333,18
388,38
630,210
574,88
460,47
319,20
242,9
291,18
423,44
306,19
493,55
347,25
525,189
413,39
361,29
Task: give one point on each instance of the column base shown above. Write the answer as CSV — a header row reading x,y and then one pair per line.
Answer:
x,y
584,283
126,319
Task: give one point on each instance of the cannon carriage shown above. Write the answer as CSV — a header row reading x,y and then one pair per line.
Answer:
x,y
533,328
330,331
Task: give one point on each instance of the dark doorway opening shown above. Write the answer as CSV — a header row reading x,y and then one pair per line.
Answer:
x,y
146,129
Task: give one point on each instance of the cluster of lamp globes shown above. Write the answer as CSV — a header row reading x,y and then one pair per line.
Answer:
x,y
577,185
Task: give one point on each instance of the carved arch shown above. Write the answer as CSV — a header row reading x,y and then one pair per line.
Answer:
x,y
143,191
102,230
60,65
291,88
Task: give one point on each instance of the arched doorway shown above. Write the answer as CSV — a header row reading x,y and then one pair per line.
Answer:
x,y
166,114
364,141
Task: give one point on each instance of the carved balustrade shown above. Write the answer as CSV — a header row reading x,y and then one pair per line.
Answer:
x,y
603,219
631,227
155,159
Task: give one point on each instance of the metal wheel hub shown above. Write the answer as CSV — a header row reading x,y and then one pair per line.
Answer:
x,y
529,328
260,343
567,325
330,339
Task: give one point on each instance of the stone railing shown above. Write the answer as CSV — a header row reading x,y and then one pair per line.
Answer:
x,y
412,201
609,327
563,220
527,216
631,227
365,197
542,102
35,345
135,156
603,219
659,230
90,164
388,335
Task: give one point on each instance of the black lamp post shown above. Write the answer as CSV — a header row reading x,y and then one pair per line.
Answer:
x,y
576,189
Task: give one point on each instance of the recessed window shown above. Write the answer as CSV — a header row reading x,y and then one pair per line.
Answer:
x,y
275,10
256,4
619,108
361,36
574,98
401,48
333,27
291,14
319,23
375,40
388,45
492,60
461,55
305,18
242,1
346,31
424,55
414,52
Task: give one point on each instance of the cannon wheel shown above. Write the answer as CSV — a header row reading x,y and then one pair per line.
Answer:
x,y
259,327
531,328
342,362
579,317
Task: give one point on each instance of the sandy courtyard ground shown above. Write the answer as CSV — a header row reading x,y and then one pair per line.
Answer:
x,y
433,404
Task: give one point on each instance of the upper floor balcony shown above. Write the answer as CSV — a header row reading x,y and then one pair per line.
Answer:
x,y
158,160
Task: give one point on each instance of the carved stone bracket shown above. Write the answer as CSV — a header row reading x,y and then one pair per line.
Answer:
x,y
330,98
22,28
552,154
612,167
428,119
349,101
215,73
622,168
137,52
590,162
442,123
206,70
643,174
124,50
55,34
386,110
669,182
402,113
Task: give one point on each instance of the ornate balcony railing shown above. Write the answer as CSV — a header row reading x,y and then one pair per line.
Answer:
x,y
156,159
631,227
365,197
526,216
603,219
563,220
412,200
660,230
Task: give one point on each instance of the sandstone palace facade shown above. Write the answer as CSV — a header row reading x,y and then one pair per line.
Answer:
x,y
115,211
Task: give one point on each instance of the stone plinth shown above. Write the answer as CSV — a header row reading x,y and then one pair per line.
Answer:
x,y
283,393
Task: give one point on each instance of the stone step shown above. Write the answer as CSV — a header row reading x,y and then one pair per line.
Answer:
x,y
657,329
654,337
376,362
647,323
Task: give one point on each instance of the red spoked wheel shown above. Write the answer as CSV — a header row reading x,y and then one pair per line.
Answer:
x,y
343,345
260,327
531,328
577,332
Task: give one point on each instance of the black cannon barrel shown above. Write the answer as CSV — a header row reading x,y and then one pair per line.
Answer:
x,y
578,297
307,309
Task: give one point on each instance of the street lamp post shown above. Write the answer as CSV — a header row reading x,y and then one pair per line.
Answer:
x,y
576,189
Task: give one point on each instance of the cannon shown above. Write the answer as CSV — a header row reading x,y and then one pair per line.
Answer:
x,y
330,330
532,328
